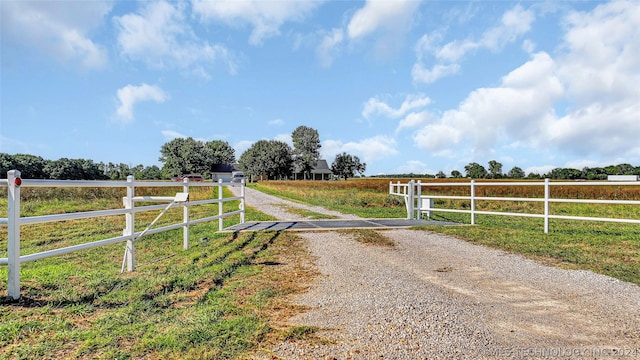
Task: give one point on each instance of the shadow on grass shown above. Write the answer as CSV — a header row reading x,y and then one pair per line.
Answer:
x,y
204,262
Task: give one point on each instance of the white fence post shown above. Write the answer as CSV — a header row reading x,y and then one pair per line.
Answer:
x,y
547,193
220,206
419,188
185,216
410,200
242,193
473,202
13,218
130,221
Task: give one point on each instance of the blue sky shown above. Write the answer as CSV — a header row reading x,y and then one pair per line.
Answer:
x,y
407,86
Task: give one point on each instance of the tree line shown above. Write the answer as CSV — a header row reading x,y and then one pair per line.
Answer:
x,y
270,159
494,171
266,158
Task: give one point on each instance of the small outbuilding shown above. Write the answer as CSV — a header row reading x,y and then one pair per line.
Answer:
x,y
223,171
320,171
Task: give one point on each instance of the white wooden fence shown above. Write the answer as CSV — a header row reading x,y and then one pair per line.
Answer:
x,y
419,201
14,221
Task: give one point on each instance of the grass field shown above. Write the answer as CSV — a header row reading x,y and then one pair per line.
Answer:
x,y
223,298
226,296
608,248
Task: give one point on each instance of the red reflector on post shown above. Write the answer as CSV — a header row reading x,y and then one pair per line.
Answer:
x,y
17,181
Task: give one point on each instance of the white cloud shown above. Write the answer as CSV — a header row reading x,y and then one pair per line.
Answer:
x,y
242,146
514,23
540,170
601,71
414,167
160,36
392,16
266,17
584,102
521,107
61,32
327,49
285,138
422,75
129,95
413,119
374,106
170,134
275,122
369,149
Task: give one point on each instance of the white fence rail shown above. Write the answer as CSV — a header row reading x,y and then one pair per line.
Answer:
x,y
419,201
14,221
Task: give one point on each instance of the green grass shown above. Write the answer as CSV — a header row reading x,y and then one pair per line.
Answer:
x,y
612,249
217,300
226,297
185,306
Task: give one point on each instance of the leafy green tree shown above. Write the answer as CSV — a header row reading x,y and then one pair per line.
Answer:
x,y
183,156
516,173
564,174
456,174
30,166
306,148
441,175
218,152
74,169
187,156
475,171
147,172
267,157
593,173
495,170
6,164
346,166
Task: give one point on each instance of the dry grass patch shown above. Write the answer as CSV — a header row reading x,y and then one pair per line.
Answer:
x,y
369,237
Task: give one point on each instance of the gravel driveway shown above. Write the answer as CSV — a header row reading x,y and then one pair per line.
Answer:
x,y
436,297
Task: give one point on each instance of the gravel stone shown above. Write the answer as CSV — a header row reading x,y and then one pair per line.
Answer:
x,y
437,297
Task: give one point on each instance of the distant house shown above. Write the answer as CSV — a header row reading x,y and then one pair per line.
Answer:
x,y
320,171
223,171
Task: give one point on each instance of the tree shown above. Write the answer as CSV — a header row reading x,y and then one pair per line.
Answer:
x,y
475,171
147,173
30,166
267,157
516,173
218,152
495,169
306,148
441,175
183,156
346,166
456,174
564,174
74,169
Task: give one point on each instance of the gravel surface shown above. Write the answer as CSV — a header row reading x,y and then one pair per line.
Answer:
x,y
436,297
